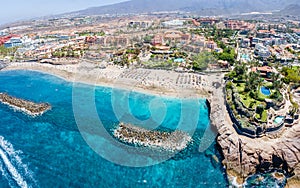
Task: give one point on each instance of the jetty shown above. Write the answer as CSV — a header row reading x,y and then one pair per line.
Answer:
x,y
28,107
172,141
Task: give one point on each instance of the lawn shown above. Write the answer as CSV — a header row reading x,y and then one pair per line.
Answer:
x,y
247,100
268,84
157,64
264,116
240,87
262,97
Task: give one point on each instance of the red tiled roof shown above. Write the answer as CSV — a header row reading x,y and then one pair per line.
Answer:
x,y
262,69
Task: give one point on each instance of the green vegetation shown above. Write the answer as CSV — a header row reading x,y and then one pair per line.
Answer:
x,y
295,108
159,64
67,52
122,61
7,51
135,51
218,34
228,53
292,75
179,54
148,38
197,31
202,60
262,116
245,90
238,73
91,33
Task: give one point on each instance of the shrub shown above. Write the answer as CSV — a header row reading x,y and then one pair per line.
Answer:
x,y
252,94
251,104
259,109
229,85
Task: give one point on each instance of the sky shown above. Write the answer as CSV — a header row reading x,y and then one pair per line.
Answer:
x,y
13,10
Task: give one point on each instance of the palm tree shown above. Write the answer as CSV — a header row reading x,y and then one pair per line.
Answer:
x,y
259,83
277,84
274,76
252,81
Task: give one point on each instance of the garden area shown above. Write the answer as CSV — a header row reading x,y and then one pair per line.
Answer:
x,y
250,96
7,52
68,51
169,64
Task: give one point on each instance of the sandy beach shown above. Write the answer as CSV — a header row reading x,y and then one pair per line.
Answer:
x,y
156,82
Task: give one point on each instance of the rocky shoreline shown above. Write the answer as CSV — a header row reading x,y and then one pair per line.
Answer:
x,y
172,141
28,107
245,156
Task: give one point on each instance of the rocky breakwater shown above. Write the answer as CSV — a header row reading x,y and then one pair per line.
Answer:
x,y
244,156
172,141
25,106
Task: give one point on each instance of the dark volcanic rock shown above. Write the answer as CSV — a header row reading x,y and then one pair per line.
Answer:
x,y
174,141
28,107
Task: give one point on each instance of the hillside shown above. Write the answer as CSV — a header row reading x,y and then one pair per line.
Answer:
x,y
216,7
293,10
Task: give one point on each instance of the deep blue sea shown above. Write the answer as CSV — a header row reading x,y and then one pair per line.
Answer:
x,y
51,150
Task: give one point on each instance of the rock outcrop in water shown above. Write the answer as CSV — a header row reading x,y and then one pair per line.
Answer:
x,y
26,106
244,156
173,141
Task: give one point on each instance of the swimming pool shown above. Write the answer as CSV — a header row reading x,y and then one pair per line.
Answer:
x,y
179,60
245,57
266,91
278,119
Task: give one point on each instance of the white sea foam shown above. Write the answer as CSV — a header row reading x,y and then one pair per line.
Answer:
x,y
14,165
13,171
6,175
24,110
234,183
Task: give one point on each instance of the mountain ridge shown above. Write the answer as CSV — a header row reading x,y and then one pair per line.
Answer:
x,y
293,9
194,6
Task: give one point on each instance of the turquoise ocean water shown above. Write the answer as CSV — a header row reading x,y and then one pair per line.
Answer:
x,y
49,151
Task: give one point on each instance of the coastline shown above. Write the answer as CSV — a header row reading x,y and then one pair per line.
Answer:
x,y
113,79
228,139
71,73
